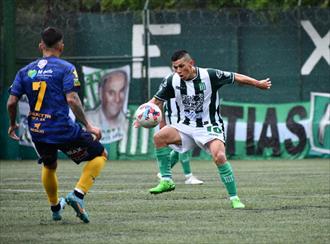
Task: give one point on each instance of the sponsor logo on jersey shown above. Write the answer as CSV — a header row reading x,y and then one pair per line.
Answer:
x,y
75,74
202,86
32,73
76,83
164,84
45,73
37,125
36,128
42,63
192,115
220,74
193,103
77,154
75,79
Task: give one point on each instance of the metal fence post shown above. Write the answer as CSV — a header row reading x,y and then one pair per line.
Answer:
x,y
146,48
10,148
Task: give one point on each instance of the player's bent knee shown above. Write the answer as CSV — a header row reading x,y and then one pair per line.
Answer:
x,y
159,139
220,158
50,165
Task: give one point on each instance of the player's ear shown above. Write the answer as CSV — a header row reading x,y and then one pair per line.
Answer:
x,y
41,46
60,46
192,62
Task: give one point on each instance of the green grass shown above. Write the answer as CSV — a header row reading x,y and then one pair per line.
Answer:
x,y
287,202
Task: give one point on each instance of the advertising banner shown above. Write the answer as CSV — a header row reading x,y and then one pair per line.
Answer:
x,y
266,130
252,131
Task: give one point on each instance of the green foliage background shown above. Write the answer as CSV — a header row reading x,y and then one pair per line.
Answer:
x,y
131,5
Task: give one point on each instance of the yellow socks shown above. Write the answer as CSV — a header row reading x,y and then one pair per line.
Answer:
x,y
90,171
49,180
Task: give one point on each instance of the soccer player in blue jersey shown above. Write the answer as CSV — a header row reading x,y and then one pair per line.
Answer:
x,y
51,85
195,90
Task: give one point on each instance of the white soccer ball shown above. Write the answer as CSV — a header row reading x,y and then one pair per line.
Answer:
x,y
148,115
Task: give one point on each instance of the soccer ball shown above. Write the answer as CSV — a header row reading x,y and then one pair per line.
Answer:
x,y
148,115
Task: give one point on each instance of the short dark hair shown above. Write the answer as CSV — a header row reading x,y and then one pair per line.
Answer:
x,y
51,35
179,54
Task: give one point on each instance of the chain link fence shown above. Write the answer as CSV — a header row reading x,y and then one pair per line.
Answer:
x,y
257,43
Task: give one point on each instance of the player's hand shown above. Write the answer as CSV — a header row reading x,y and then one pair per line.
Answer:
x,y
264,84
95,131
136,124
162,124
12,133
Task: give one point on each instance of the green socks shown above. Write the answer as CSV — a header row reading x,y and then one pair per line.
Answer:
x,y
163,161
227,177
185,162
184,158
174,158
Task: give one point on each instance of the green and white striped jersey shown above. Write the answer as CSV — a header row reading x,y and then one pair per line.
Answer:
x,y
197,99
171,111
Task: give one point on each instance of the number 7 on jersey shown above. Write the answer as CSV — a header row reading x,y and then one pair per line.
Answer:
x,y
41,86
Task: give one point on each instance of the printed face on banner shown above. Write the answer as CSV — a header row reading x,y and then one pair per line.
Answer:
x,y
106,98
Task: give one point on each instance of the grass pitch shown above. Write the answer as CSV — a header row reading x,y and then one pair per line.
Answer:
x,y
287,202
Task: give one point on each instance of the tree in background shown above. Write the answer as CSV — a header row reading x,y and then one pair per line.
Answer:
x,y
133,5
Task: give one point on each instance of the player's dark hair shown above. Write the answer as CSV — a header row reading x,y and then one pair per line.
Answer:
x,y
108,76
179,54
51,35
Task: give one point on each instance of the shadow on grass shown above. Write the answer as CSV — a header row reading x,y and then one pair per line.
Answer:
x,y
61,222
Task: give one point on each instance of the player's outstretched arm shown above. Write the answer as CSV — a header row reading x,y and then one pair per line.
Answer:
x,y
78,110
12,111
246,80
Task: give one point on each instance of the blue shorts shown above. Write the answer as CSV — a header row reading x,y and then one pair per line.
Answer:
x,y
84,148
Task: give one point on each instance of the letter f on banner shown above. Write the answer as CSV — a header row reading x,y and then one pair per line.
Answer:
x,y
321,48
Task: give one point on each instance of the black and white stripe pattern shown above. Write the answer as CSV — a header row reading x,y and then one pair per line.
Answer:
x,y
196,100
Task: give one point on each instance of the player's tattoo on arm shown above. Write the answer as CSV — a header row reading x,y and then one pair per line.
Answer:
x,y
77,108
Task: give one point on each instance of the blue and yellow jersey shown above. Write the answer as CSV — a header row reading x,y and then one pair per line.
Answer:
x,y
46,82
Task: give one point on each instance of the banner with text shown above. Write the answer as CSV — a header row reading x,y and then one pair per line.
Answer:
x,y
253,131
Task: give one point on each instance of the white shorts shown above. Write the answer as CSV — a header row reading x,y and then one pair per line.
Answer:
x,y
200,136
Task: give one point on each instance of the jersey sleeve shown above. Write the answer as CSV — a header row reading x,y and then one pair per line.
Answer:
x,y
165,90
70,80
17,88
220,78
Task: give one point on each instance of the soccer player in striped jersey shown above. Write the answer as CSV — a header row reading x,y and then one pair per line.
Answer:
x,y
195,90
172,117
51,85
